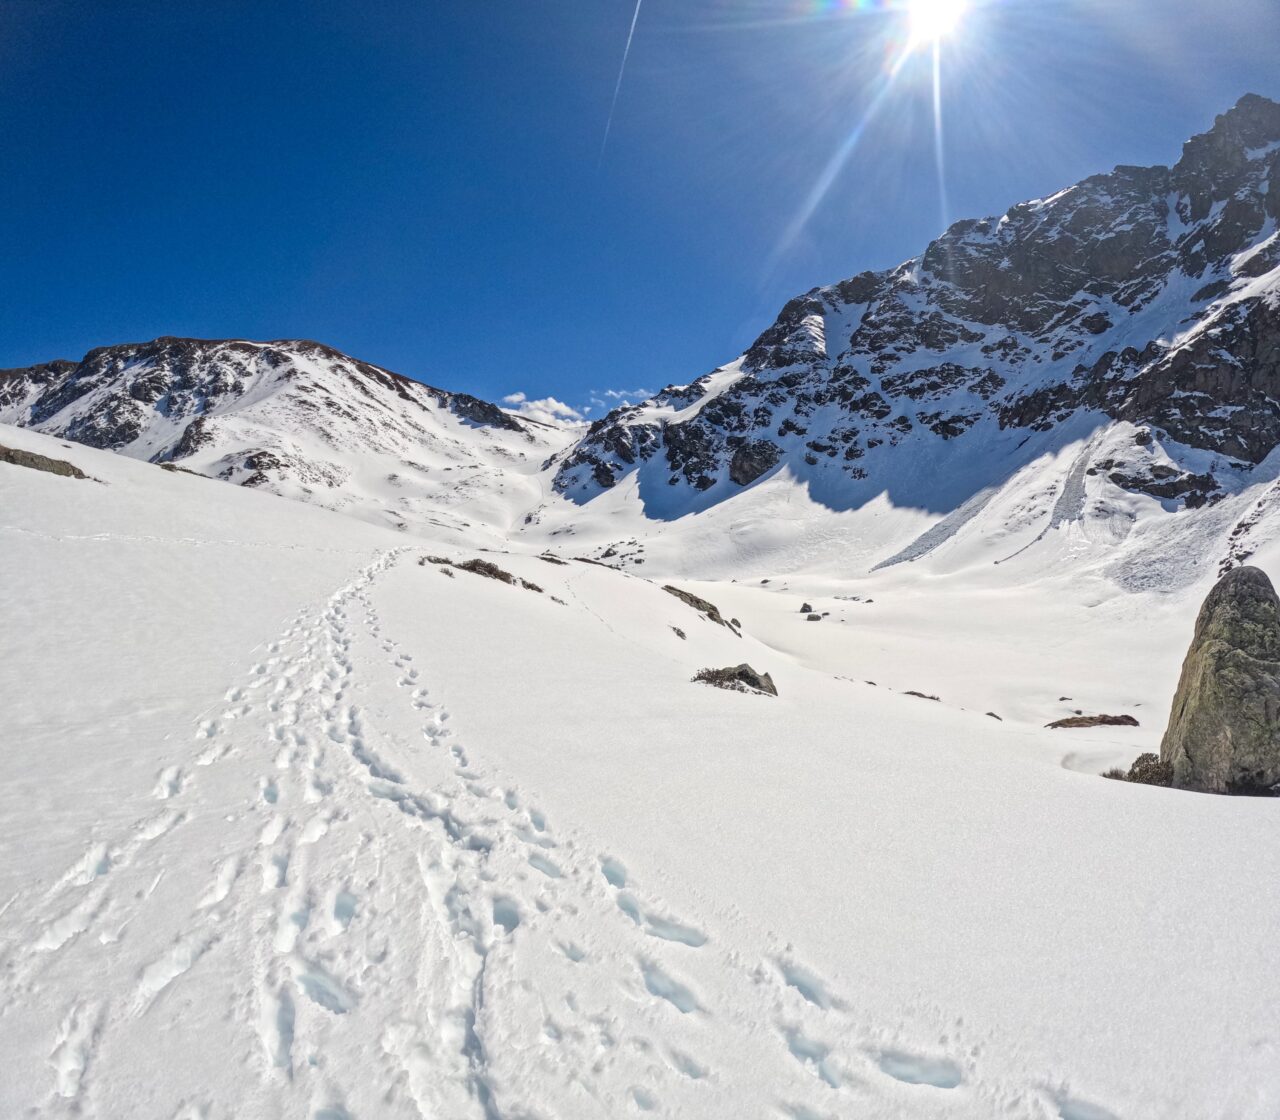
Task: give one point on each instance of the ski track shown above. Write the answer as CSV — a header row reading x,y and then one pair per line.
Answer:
x,y
378,936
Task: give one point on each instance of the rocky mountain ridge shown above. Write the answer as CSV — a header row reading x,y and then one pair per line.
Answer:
x,y
295,417
1147,295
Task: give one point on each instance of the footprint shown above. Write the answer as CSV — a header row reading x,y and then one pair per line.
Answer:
x,y
615,874
1071,1108
321,988
541,863
72,923
223,880
163,971
276,1028
913,1069
657,926
807,984
77,1039
666,987
643,1100
506,913
686,1065
812,1054
344,910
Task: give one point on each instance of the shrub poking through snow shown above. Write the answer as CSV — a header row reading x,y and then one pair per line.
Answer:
x,y
738,678
1147,770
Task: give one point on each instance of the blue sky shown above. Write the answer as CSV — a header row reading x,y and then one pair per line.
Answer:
x,y
419,182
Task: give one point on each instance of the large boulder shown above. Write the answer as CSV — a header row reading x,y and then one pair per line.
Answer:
x,y
1224,730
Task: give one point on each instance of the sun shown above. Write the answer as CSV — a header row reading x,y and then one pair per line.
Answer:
x,y
933,20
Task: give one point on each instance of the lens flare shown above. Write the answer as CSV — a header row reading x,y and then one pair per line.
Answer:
x,y
934,20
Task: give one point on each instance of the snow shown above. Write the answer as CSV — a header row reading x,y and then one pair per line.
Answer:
x,y
292,824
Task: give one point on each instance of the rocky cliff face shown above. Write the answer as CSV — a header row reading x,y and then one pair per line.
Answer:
x,y
1148,295
1224,730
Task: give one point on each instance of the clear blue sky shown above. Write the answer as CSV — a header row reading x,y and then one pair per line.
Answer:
x,y
416,181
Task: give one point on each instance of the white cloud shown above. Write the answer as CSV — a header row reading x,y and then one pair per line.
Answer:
x,y
547,409
614,398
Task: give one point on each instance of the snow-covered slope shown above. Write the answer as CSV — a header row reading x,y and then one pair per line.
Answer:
x,y
299,419
293,824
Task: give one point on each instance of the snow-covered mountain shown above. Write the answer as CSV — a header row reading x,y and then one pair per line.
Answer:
x,y
1099,369
1133,318
299,419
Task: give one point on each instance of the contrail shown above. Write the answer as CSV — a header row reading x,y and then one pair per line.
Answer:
x,y
618,87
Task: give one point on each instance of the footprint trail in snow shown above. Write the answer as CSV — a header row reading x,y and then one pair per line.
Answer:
x,y
335,912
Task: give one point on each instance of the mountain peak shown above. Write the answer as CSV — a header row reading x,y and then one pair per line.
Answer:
x,y
1250,127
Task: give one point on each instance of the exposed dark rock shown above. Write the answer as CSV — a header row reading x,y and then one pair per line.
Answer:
x,y
921,695
1224,729
701,606
1094,721
40,463
480,568
751,460
738,678
813,618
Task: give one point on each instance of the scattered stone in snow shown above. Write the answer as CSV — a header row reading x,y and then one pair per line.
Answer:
x,y
805,608
678,632
813,618
921,695
1094,721
738,678
995,717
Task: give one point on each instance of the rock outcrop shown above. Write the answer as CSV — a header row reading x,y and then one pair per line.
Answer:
x,y
1224,730
40,463
738,678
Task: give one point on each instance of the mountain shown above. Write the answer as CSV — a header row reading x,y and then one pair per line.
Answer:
x,y
1093,376
299,419
1138,310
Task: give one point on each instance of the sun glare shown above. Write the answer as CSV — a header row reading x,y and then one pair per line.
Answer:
x,y
934,20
